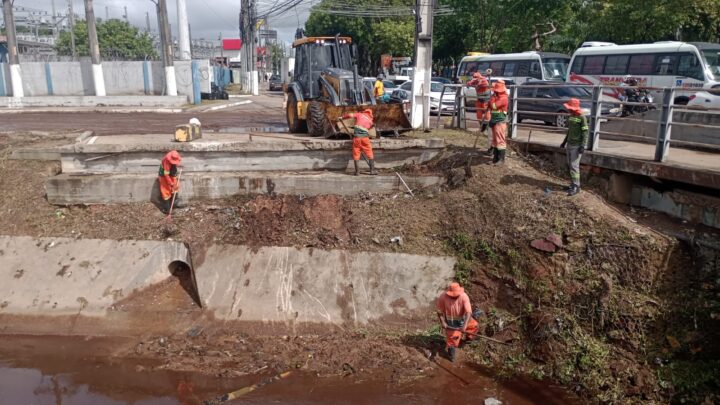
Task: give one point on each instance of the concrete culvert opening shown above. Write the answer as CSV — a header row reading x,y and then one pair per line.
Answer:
x,y
186,276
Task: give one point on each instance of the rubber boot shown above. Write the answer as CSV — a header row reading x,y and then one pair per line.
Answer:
x,y
490,151
371,162
496,155
451,353
574,190
165,205
357,168
501,157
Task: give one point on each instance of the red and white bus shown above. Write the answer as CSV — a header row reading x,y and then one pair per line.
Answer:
x,y
684,65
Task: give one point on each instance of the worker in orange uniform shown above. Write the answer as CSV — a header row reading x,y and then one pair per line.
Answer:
x,y
498,120
361,138
168,179
456,317
482,89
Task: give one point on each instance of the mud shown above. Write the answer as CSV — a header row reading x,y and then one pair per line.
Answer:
x,y
86,370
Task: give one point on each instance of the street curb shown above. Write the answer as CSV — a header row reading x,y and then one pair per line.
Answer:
x,y
91,109
222,106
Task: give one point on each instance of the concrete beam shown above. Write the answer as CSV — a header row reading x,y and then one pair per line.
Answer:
x,y
236,152
63,276
665,171
287,284
66,189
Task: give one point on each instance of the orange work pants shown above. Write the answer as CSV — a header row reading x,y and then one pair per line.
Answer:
x,y
362,144
453,337
167,184
499,132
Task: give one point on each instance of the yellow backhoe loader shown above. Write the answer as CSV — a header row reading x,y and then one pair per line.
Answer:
x,y
325,86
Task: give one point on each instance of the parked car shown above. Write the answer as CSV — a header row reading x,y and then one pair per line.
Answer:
x,y
275,83
404,92
705,99
550,100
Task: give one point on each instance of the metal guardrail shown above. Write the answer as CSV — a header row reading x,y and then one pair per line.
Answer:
x,y
666,107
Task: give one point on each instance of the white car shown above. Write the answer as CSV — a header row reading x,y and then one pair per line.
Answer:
x,y
404,93
705,99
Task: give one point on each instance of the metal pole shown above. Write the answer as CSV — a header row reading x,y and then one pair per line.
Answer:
x,y
253,46
71,20
147,21
420,108
664,125
97,71
167,49
13,58
513,116
183,30
594,139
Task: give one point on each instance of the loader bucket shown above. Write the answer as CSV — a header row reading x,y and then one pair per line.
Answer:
x,y
389,118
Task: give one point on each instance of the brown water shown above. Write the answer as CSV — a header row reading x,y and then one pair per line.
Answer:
x,y
71,371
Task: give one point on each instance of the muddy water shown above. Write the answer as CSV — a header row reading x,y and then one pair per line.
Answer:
x,y
72,370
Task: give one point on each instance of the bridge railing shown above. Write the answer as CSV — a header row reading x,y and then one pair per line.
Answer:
x,y
603,108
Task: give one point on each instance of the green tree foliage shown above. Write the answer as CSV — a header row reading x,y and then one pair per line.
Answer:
x,y
373,36
117,40
500,26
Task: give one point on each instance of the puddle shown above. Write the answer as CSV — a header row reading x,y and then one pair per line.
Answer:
x,y
41,370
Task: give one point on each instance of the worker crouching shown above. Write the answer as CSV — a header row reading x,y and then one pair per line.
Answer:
x,y
456,317
498,120
361,138
169,182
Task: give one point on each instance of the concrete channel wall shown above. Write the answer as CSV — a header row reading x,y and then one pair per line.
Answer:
x,y
92,277
63,276
122,78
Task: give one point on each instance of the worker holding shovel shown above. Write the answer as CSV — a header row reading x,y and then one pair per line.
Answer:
x,y
361,138
169,182
455,314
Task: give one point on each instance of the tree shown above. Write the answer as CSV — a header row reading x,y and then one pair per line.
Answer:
x,y
373,36
117,40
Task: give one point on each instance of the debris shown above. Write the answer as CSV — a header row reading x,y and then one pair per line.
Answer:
x,y
376,241
397,239
673,342
195,331
246,390
405,184
543,245
555,239
162,342
492,401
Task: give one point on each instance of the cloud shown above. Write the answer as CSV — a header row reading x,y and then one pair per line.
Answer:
x,y
209,19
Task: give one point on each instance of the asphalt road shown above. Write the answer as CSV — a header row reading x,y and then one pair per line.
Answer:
x,y
264,111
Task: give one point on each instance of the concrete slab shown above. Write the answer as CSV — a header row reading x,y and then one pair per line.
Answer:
x,y
67,189
93,101
218,152
63,276
287,284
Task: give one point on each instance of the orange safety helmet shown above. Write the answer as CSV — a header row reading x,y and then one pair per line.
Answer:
x,y
454,290
573,105
499,86
173,157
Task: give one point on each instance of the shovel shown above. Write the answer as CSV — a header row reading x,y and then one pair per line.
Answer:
x,y
169,227
479,336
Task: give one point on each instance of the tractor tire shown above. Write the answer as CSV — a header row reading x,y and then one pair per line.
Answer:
x,y
317,122
295,124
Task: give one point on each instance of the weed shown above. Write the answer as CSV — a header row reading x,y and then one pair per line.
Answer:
x,y
463,271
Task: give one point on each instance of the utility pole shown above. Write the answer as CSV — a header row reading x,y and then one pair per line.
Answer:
x,y
54,20
147,21
107,13
13,58
183,30
71,20
126,15
420,109
253,48
167,49
97,71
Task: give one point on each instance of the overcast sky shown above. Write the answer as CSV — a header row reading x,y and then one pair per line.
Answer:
x,y
208,18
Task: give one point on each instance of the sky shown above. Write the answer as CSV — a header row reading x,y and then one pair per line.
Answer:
x,y
208,18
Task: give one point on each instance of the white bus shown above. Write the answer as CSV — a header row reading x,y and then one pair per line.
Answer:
x,y
516,67
661,64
